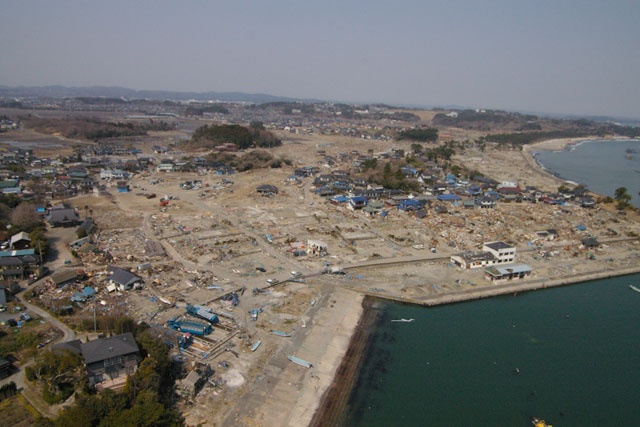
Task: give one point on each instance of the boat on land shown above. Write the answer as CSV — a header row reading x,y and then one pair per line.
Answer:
x,y
255,346
280,333
403,320
299,361
634,288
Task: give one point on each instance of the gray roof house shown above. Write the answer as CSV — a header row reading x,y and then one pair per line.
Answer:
x,y
67,217
110,360
124,279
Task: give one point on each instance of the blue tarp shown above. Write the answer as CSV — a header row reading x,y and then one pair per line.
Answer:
x,y
88,291
448,197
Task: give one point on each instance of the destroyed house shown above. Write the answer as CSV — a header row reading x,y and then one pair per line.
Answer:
x,y
122,278
267,189
468,260
88,225
110,358
590,242
61,278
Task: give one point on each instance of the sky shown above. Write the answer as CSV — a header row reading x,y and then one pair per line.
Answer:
x,y
560,56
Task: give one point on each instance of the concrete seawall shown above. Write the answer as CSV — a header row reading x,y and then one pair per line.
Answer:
x,y
503,289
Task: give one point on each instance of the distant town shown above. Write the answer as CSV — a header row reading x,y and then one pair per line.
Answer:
x,y
217,254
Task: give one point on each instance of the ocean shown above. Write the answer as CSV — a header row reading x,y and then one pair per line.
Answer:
x,y
570,355
600,165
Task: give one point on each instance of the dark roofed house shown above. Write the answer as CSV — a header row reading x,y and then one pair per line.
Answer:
x,y
60,278
20,240
11,268
66,217
88,225
590,242
110,360
5,367
122,278
267,189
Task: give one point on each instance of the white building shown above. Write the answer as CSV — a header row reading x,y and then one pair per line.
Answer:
x,y
503,252
493,253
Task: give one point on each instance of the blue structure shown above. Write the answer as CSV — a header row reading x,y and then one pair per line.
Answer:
x,y
191,327
409,205
448,197
358,202
202,313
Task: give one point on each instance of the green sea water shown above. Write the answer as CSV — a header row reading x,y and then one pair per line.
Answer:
x,y
577,349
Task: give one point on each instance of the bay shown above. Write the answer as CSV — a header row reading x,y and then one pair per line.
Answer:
x,y
600,165
577,349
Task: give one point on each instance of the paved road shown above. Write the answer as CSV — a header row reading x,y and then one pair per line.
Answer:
x,y
19,378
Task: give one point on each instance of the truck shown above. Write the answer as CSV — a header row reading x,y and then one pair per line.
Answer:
x,y
193,328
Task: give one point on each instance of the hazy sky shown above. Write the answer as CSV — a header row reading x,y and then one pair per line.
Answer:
x,y
547,56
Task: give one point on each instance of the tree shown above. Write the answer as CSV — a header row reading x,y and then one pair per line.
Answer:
x,y
621,194
25,217
417,148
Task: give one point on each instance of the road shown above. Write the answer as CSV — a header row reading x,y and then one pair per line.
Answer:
x,y
19,378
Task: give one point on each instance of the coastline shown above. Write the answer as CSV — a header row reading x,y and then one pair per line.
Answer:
x,y
529,153
331,408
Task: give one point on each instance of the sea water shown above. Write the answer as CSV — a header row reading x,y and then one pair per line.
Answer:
x,y
570,355
602,166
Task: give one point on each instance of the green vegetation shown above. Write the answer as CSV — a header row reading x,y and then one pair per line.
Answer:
x,y
394,180
200,110
91,129
424,135
623,199
17,412
147,396
23,217
15,342
443,152
59,373
369,164
241,136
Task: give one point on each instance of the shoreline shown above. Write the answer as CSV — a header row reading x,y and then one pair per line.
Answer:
x,y
560,144
330,409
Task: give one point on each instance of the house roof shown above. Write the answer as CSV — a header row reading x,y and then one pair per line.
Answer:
x,y
498,245
20,236
62,215
10,262
74,346
121,276
511,269
60,277
95,351
22,252
448,197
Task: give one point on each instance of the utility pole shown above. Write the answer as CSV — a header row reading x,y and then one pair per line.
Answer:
x,y
95,329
